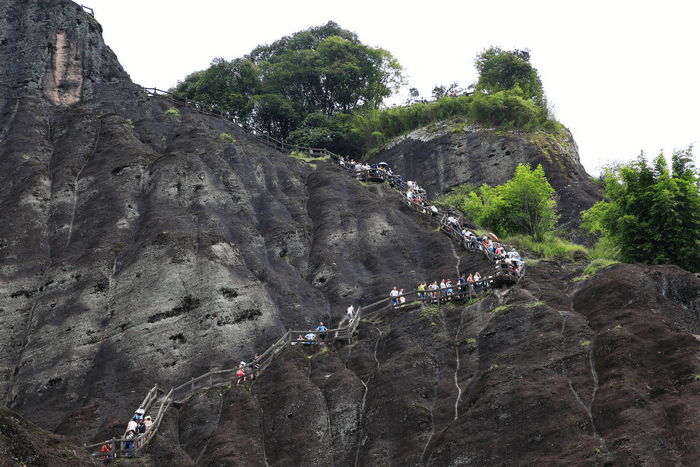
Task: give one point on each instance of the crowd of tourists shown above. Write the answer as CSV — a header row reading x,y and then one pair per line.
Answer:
x,y
504,262
139,424
444,290
251,370
320,334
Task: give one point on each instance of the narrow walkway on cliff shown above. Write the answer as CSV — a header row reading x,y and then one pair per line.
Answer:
x,y
505,272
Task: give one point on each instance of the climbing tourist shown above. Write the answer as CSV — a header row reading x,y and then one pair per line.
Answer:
x,y
477,279
255,364
141,430
106,448
241,372
148,422
322,329
421,289
132,425
394,294
129,444
350,313
402,299
310,337
434,287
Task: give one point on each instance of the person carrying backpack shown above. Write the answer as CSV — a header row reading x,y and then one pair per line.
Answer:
x,y
129,444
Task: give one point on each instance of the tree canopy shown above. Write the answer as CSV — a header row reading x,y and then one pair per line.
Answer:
x,y
502,70
524,204
323,70
653,212
322,87
509,92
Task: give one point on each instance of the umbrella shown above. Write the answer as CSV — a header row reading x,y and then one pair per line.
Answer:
x,y
493,236
383,163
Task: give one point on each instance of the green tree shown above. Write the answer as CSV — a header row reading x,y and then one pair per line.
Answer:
x,y
228,85
443,91
319,131
653,213
509,92
323,70
502,70
525,204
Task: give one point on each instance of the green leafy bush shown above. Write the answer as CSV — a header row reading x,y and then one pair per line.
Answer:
x,y
173,112
653,212
507,109
524,204
227,137
501,70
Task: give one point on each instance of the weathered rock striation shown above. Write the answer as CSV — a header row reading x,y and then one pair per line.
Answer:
x,y
139,248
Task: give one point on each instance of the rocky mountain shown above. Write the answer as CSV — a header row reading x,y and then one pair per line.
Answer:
x,y
139,247
454,153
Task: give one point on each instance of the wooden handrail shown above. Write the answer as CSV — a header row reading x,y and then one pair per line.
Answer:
x,y
255,133
88,10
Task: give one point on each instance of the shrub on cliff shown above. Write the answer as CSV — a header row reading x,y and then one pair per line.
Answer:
x,y
503,70
523,205
509,91
508,95
653,212
509,108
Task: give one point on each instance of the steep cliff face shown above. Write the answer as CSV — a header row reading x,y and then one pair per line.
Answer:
x,y
556,372
445,155
139,248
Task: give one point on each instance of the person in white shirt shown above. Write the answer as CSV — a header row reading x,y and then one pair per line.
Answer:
x,y
133,425
394,294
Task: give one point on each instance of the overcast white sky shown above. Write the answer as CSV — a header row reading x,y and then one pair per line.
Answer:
x,y
622,75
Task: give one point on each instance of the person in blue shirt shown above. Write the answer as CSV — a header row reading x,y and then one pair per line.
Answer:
x,y
310,337
323,330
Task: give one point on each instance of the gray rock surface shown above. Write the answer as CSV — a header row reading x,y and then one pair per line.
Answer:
x,y
445,155
140,248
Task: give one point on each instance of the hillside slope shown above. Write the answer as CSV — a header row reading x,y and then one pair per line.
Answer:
x,y
139,248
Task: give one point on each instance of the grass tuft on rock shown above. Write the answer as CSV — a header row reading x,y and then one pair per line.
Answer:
x,y
552,248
